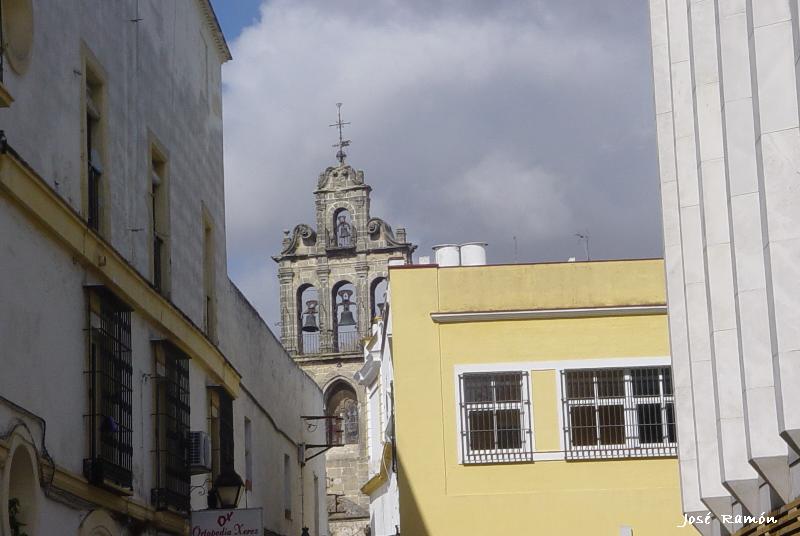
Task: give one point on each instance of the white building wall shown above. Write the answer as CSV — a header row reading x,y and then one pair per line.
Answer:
x,y
726,79
161,67
377,376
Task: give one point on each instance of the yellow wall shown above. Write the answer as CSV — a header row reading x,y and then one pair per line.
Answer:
x,y
440,496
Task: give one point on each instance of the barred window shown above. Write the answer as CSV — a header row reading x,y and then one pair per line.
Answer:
x,y
171,428
110,390
619,413
220,427
495,417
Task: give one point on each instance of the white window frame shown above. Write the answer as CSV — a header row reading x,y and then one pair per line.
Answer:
x,y
556,365
631,447
495,455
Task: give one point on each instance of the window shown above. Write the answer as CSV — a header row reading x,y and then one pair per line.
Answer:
x,y
220,428
94,149
495,417
172,481
619,413
317,491
248,454
110,390
209,316
342,402
159,221
287,486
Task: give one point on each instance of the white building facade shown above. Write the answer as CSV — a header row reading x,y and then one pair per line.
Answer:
x,y
377,376
726,97
121,334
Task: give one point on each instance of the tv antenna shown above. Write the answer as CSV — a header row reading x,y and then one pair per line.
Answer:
x,y
584,237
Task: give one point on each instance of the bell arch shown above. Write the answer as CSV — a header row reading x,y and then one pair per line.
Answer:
x,y
344,313
308,319
377,296
341,401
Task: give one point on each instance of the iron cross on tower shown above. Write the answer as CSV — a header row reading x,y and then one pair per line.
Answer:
x,y
340,154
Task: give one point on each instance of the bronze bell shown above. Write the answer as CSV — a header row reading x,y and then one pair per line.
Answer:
x,y
346,318
310,317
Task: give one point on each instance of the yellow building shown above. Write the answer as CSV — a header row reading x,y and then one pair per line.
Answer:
x,y
534,399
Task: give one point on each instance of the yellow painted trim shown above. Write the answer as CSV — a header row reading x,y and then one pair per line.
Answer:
x,y
76,485
30,192
539,314
5,97
383,475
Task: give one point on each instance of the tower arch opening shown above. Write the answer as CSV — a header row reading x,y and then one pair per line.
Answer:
x,y
308,319
377,296
345,317
341,401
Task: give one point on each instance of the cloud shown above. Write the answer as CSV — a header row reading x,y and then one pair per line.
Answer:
x,y
472,120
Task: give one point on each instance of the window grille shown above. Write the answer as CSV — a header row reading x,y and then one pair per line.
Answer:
x,y
2,44
110,390
221,430
94,197
171,429
495,417
348,341
226,430
94,169
618,413
350,417
158,267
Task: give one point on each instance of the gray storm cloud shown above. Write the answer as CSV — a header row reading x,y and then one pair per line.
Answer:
x,y
473,120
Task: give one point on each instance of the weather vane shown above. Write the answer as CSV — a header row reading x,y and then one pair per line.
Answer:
x,y
340,154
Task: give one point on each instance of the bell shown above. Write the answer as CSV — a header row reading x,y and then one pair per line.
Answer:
x,y
310,317
346,319
310,323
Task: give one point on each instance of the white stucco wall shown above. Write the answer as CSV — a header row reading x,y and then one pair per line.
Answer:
x,y
160,65
377,376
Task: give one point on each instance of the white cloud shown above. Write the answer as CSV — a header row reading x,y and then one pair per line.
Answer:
x,y
468,121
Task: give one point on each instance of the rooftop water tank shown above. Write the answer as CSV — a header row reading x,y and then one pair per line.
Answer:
x,y
473,254
447,255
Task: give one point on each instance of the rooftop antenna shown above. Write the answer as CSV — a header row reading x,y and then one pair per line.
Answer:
x,y
340,154
516,257
584,237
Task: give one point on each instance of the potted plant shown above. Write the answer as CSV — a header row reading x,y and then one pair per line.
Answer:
x,y
13,512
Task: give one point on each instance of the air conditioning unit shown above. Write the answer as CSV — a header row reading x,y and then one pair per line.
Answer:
x,y
199,453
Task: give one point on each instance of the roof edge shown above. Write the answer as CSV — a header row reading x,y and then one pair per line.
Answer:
x,y
216,29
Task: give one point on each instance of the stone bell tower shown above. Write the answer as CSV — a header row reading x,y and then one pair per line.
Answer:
x,y
332,284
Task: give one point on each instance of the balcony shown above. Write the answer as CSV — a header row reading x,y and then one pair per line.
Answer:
x,y
347,341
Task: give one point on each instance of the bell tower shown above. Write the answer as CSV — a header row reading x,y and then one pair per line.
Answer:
x,y
332,283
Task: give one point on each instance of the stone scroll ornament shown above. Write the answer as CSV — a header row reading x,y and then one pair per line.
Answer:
x,y
301,232
380,230
341,176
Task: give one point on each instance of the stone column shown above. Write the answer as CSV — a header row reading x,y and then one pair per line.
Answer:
x,y
325,313
362,297
288,309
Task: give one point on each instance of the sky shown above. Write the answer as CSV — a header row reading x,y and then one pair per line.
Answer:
x,y
520,123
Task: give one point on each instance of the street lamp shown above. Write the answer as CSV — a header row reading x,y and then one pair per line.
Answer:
x,y
228,488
